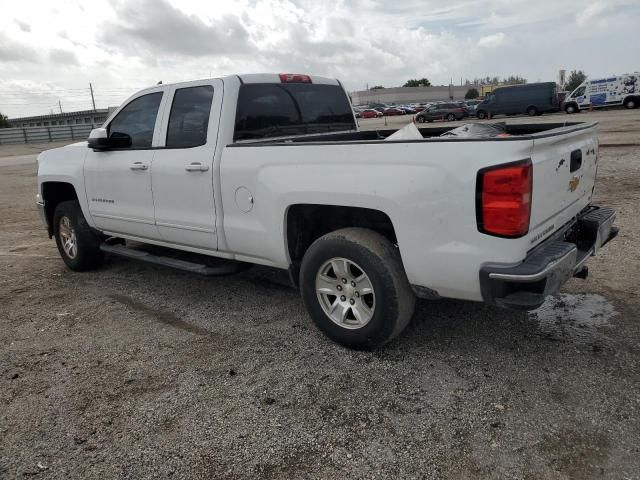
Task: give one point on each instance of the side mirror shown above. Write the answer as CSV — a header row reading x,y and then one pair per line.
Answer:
x,y
98,139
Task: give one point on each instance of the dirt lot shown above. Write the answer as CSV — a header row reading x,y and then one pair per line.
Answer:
x,y
136,372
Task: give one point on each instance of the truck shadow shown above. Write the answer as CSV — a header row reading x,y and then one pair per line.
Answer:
x,y
579,319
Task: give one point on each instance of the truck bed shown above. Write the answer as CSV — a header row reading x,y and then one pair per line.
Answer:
x,y
527,131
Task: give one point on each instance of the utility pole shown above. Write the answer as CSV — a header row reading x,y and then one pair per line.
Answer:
x,y
60,105
93,101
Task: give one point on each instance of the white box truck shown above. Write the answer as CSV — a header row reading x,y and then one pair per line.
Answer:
x,y
605,92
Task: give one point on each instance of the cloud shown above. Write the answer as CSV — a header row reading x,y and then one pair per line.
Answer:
x,y
157,27
11,51
591,12
25,27
63,57
491,41
385,42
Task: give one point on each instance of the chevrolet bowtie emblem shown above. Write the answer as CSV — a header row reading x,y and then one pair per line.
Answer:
x,y
573,183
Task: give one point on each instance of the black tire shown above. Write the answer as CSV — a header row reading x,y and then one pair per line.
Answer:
x,y
380,260
570,109
88,254
481,114
451,117
532,111
420,119
630,103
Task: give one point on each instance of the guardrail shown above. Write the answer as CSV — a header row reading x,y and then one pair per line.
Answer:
x,y
45,134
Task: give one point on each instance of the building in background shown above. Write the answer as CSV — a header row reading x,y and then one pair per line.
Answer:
x,y
83,117
402,95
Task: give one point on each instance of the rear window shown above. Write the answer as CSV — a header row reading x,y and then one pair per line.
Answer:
x,y
189,118
276,110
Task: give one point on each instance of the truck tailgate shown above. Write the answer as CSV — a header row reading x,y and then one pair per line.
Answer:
x,y
564,173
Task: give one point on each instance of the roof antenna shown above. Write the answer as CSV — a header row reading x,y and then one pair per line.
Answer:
x,y
159,83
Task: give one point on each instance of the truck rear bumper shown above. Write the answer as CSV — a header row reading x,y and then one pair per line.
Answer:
x,y
545,269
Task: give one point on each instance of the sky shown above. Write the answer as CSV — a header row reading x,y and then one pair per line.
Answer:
x,y
51,50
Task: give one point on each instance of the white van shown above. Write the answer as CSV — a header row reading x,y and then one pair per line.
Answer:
x,y
605,92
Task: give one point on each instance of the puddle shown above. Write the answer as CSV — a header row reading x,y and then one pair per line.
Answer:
x,y
576,318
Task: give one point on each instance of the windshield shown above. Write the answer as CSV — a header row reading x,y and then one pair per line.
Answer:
x,y
281,109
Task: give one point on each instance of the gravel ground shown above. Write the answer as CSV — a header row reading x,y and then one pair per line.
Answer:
x,y
135,371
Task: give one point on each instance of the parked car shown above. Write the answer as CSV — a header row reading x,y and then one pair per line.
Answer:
x,y
441,111
371,113
419,108
531,98
605,92
464,107
391,111
357,113
272,169
407,110
471,106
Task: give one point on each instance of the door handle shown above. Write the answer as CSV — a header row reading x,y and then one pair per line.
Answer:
x,y
138,166
196,167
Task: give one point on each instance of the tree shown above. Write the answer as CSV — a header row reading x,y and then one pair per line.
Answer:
x,y
377,87
576,77
488,80
4,121
423,82
514,80
471,94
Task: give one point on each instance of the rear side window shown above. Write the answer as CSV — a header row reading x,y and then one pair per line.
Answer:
x,y
138,120
189,117
276,110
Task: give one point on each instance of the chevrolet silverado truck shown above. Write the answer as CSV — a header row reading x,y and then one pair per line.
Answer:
x,y
272,169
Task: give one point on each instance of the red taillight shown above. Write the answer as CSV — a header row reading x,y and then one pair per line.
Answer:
x,y
294,78
503,199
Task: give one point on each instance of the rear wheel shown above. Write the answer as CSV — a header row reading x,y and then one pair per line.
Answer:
x,y
78,244
420,119
355,288
451,117
630,103
532,111
481,114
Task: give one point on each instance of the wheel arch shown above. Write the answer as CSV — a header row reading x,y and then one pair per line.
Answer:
x,y
306,222
53,193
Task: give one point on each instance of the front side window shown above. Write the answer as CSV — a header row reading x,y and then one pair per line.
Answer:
x,y
189,117
579,92
137,120
276,110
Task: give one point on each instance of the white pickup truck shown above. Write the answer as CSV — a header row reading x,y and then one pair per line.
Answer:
x,y
271,169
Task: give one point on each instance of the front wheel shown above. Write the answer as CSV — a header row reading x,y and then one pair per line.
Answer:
x,y
570,109
420,119
355,288
481,114
78,244
630,103
451,117
532,111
